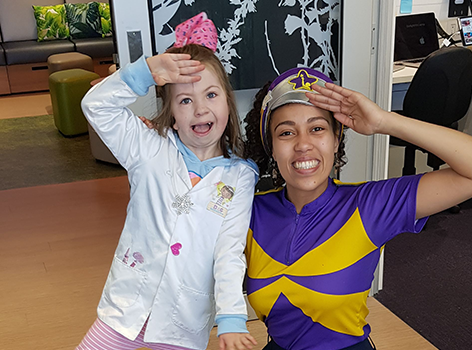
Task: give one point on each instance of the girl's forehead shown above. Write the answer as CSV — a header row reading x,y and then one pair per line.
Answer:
x,y
208,80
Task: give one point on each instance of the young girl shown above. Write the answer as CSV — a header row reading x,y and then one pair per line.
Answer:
x,y
180,258
314,244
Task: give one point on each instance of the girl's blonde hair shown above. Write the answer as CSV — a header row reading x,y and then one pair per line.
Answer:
x,y
231,139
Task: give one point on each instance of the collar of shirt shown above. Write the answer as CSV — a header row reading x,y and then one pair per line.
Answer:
x,y
195,165
314,205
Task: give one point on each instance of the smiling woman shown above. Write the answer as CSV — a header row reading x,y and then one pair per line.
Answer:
x,y
290,94
304,144
312,293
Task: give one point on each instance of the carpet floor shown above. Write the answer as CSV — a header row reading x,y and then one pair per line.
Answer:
x,y
428,279
33,153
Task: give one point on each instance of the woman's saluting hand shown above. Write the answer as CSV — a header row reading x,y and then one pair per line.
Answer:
x,y
349,107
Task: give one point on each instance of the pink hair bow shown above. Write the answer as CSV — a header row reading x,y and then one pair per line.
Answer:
x,y
197,30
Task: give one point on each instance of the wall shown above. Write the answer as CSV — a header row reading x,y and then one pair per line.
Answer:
x,y
439,7
127,19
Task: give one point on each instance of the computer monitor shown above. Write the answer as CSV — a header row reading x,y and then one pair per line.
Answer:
x,y
416,36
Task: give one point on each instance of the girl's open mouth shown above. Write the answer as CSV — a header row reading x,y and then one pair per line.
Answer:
x,y
202,128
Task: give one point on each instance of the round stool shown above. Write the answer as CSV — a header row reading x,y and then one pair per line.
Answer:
x,y
67,88
69,60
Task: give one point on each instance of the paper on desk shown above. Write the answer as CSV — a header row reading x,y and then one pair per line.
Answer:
x,y
406,6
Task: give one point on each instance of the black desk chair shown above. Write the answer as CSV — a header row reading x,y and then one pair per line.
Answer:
x,y
440,93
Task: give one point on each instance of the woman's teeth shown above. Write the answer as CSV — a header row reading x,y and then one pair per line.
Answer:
x,y
306,165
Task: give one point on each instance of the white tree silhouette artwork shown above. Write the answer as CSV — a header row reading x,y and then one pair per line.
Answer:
x,y
162,12
309,25
229,37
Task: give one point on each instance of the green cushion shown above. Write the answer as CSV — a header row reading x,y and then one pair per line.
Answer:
x,y
84,20
105,18
67,88
51,22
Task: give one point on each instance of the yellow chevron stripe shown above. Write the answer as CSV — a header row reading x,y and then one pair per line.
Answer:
x,y
341,313
346,247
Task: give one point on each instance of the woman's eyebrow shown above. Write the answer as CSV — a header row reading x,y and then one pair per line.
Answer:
x,y
292,123
314,119
285,122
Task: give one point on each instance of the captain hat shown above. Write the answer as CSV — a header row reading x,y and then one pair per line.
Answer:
x,y
289,87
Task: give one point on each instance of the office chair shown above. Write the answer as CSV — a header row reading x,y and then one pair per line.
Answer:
x,y
440,93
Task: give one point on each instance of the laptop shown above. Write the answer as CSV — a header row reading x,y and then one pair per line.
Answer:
x,y
416,37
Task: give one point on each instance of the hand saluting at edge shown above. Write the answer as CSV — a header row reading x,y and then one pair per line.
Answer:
x,y
349,107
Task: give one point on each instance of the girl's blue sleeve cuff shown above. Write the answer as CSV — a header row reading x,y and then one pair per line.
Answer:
x,y
231,324
137,76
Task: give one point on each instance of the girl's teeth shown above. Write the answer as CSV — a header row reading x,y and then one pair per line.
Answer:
x,y
202,127
306,165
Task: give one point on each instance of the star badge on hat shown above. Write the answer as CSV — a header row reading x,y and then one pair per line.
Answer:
x,y
303,81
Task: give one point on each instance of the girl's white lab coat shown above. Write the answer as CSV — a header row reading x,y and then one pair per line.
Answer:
x,y
178,270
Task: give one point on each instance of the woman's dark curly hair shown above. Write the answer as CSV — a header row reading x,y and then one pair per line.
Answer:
x,y
254,149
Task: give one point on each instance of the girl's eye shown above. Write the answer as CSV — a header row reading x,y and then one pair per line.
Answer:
x,y
317,128
185,101
211,95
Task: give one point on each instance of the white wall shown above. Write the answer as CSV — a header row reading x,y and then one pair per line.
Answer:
x,y
439,7
128,17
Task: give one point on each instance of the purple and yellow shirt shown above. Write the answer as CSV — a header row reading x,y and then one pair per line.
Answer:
x,y
309,274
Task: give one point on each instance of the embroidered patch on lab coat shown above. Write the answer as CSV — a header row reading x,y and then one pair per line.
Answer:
x,y
221,200
137,257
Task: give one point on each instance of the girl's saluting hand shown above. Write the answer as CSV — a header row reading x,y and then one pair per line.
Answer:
x,y
174,68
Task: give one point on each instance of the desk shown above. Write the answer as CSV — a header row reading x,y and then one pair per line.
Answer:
x,y
401,81
404,75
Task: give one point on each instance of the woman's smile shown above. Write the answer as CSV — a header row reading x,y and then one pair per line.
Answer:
x,y
306,165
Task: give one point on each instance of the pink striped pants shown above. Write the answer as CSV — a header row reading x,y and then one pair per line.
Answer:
x,y
102,337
